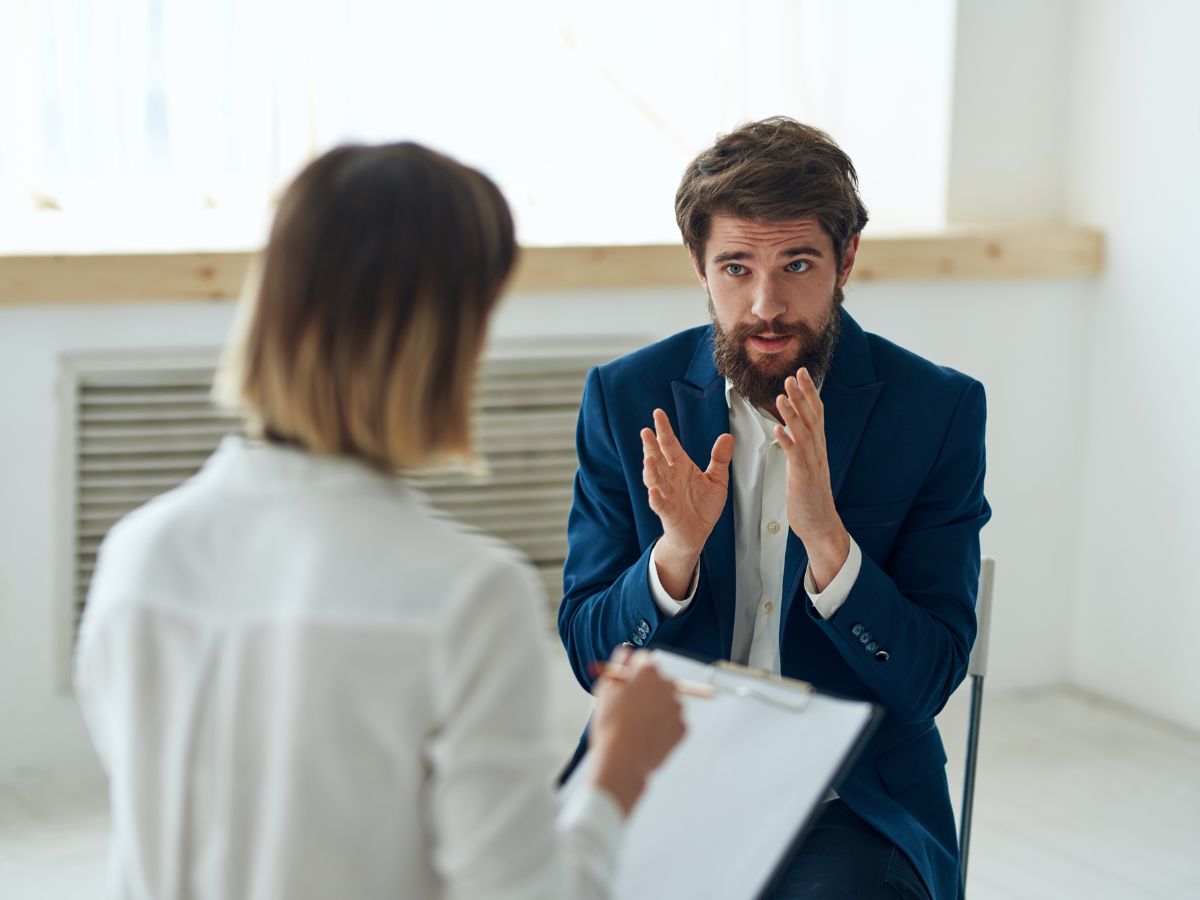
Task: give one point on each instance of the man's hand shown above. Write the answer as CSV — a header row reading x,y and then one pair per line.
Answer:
x,y
687,500
810,509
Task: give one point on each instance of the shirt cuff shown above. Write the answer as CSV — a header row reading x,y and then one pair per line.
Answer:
x,y
667,604
831,599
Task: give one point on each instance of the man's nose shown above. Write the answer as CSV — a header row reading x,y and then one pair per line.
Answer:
x,y
768,303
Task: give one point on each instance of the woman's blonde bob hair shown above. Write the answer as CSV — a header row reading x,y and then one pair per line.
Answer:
x,y
371,306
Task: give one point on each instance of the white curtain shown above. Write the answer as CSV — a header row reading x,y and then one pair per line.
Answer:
x,y
153,111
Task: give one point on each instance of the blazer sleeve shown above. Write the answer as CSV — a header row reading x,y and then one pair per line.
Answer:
x,y
907,627
606,587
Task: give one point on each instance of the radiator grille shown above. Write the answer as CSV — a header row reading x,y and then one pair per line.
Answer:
x,y
134,431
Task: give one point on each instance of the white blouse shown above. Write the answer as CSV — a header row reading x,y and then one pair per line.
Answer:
x,y
305,683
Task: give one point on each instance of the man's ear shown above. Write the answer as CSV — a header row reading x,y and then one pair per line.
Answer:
x,y
848,257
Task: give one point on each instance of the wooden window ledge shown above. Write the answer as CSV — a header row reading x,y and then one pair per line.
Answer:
x,y
960,252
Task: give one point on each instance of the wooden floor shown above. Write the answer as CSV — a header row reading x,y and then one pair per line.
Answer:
x,y
1076,798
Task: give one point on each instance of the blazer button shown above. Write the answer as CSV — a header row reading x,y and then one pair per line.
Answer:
x,y
638,640
865,637
883,656
856,630
872,647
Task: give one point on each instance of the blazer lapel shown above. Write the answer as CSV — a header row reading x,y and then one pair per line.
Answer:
x,y
702,416
848,395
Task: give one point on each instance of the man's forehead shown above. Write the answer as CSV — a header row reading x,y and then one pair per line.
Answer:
x,y
727,232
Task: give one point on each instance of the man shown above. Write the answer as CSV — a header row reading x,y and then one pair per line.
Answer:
x,y
833,533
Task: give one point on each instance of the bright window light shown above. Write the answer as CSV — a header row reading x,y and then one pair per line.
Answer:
x,y
170,123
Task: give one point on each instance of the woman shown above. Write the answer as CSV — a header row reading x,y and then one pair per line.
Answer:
x,y
301,680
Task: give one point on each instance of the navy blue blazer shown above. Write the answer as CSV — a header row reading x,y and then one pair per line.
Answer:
x,y
906,459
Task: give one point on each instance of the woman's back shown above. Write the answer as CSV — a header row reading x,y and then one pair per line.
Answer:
x,y
304,683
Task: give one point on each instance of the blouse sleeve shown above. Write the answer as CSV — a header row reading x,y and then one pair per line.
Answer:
x,y
497,829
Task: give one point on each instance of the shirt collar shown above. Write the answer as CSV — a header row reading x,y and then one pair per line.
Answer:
x,y
740,406
734,400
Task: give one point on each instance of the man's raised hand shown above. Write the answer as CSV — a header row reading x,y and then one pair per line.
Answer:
x,y
685,498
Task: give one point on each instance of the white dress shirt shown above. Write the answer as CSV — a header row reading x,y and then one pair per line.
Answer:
x,y
304,683
760,528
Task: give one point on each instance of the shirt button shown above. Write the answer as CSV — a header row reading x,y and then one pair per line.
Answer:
x,y
773,527
768,606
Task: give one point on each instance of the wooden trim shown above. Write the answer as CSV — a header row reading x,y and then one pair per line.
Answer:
x,y
1009,252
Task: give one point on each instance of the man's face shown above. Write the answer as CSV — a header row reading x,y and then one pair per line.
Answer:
x,y
773,291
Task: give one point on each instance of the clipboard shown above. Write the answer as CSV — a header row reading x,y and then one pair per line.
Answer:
x,y
742,788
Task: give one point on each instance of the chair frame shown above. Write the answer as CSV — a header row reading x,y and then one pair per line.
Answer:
x,y
977,670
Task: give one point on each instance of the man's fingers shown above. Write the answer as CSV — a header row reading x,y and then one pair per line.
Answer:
x,y
793,439
796,426
794,392
807,389
722,454
649,472
785,440
667,442
805,428
650,447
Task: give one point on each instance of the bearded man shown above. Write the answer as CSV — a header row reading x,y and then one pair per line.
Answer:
x,y
832,534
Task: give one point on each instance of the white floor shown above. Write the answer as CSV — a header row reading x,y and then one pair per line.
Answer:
x,y
1076,798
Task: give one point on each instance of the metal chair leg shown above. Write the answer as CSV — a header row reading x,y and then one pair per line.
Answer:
x,y
968,801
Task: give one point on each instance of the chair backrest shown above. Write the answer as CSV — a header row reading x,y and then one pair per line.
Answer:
x,y
983,614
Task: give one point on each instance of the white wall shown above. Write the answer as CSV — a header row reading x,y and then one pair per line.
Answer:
x,y
40,730
1134,170
1008,130
1089,111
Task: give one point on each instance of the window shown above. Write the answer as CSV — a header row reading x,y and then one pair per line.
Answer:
x,y
142,123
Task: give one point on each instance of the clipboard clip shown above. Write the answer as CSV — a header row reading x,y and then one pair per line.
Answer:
x,y
797,693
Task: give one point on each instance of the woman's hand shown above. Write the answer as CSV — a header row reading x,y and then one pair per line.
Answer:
x,y
638,721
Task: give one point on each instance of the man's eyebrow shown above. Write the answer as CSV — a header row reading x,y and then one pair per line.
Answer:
x,y
737,255
802,251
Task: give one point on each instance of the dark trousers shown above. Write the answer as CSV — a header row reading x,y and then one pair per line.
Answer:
x,y
844,858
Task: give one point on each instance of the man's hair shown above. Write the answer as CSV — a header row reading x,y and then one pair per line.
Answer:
x,y
383,265
771,171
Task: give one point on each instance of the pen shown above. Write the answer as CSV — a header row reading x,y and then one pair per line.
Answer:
x,y
621,673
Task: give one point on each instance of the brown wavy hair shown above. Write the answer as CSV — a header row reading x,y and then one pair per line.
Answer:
x,y
771,171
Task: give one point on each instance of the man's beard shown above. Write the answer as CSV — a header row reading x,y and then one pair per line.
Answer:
x,y
761,383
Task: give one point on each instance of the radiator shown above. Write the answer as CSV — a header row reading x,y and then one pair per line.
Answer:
x,y
135,424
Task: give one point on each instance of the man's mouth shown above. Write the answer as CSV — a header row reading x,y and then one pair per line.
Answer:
x,y
770,343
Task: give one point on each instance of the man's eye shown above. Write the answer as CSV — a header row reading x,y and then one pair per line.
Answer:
x,y
735,269
799,265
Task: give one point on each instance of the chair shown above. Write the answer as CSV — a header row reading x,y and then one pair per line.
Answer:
x,y
977,670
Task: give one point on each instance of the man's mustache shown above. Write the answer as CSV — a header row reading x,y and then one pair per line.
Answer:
x,y
741,332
